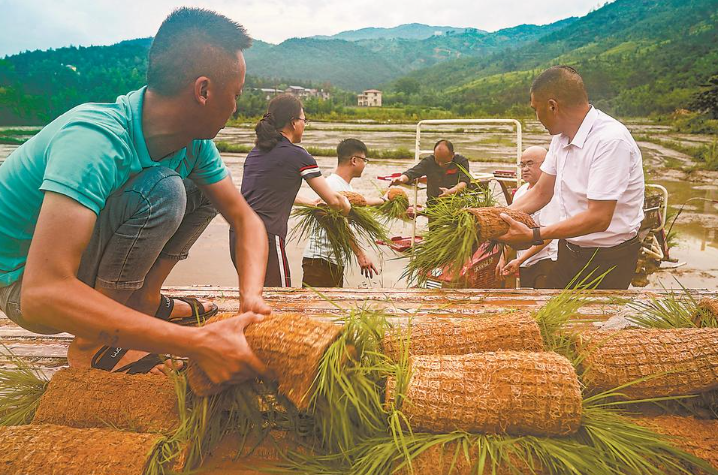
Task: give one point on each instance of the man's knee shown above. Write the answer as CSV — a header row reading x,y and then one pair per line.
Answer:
x,y
159,193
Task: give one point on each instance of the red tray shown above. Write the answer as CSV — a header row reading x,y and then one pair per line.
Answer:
x,y
400,243
397,175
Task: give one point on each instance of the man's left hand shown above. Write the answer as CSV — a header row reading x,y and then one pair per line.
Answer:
x,y
445,192
511,268
368,269
519,236
254,304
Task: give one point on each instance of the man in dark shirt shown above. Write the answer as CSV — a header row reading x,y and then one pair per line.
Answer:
x,y
446,172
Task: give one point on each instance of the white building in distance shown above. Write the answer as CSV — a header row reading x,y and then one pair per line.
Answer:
x,y
369,98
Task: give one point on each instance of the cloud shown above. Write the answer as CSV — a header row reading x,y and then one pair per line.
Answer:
x,y
43,24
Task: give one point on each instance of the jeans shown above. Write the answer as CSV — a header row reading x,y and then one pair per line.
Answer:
x,y
156,214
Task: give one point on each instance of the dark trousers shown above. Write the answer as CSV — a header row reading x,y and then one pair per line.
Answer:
x,y
538,274
321,273
574,261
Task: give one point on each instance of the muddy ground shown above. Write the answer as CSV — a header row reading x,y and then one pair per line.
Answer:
x,y
494,147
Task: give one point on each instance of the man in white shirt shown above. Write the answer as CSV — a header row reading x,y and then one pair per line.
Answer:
x,y
594,168
536,264
319,265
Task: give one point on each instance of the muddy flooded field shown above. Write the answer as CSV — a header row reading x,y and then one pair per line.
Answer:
x,y
490,148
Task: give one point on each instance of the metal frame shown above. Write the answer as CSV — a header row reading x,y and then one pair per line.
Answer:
x,y
664,216
418,151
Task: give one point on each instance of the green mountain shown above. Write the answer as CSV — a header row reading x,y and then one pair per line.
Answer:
x,y
362,64
637,57
409,31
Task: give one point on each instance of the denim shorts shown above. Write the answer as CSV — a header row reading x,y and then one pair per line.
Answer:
x,y
155,214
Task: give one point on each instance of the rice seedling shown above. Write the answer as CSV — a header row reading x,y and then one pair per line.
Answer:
x,y
342,233
21,387
675,310
396,205
347,392
457,225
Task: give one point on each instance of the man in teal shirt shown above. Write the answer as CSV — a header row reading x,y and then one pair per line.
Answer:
x,y
98,207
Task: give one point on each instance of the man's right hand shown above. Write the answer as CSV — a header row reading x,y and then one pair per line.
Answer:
x,y
225,355
400,180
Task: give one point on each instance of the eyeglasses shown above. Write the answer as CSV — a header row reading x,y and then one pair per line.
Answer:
x,y
528,164
303,119
366,160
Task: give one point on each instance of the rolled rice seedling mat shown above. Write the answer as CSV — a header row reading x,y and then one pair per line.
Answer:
x,y
94,398
510,392
396,193
290,345
445,336
354,198
50,449
489,224
445,459
679,361
696,436
710,305
237,455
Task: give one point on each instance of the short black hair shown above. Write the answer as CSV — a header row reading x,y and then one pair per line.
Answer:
x,y
347,148
448,144
562,83
194,42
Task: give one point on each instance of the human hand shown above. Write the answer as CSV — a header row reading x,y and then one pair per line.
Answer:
x,y
498,271
444,192
368,269
511,268
519,236
346,206
224,354
255,304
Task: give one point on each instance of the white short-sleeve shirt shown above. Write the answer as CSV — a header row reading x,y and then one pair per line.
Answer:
x,y
318,245
549,214
602,162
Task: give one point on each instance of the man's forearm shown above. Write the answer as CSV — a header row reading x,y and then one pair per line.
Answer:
x,y
532,251
252,248
531,202
579,225
74,307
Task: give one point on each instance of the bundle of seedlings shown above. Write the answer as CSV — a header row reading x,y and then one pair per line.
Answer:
x,y
141,403
342,233
396,205
675,310
458,336
59,450
494,392
21,386
680,361
290,345
454,235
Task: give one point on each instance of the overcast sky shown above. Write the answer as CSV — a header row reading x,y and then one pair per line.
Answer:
x,y
43,24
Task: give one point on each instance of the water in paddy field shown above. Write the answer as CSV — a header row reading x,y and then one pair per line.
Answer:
x,y
495,147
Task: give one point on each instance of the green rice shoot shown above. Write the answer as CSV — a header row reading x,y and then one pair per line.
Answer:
x,y
452,237
394,209
344,234
675,310
21,387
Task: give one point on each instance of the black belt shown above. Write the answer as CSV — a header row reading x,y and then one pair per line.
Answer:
x,y
601,251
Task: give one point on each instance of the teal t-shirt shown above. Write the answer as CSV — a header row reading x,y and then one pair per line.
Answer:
x,y
86,154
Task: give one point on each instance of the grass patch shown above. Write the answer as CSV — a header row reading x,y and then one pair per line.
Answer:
x,y
21,387
706,155
227,147
675,310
